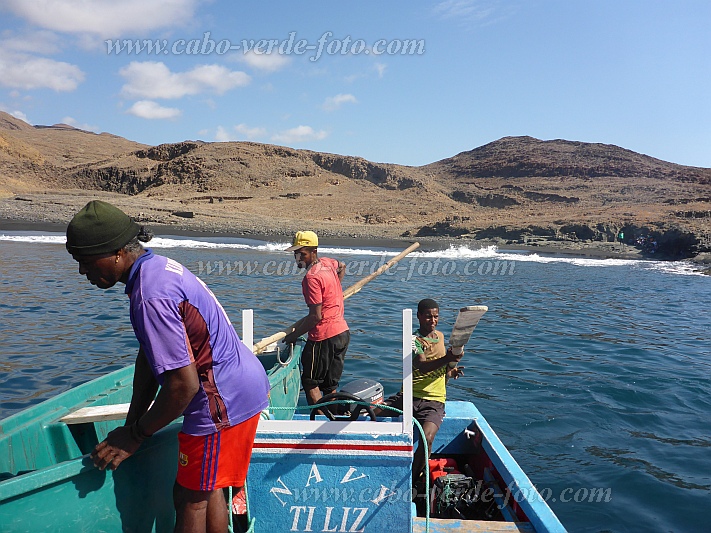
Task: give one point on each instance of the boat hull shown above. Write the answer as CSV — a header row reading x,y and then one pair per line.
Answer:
x,y
50,484
305,475
315,475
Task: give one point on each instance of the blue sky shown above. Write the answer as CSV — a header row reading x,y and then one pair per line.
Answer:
x,y
632,73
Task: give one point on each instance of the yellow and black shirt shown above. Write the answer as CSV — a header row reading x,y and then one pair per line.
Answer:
x,y
430,385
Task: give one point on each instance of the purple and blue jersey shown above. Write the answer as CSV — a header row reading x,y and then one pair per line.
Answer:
x,y
178,321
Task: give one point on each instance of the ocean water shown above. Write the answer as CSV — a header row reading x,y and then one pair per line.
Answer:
x,y
596,374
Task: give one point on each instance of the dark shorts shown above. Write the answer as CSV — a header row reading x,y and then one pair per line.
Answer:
x,y
422,410
322,362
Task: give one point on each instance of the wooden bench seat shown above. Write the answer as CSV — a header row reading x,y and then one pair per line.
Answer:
x,y
98,413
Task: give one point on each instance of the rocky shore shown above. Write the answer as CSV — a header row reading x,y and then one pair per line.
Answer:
x,y
52,212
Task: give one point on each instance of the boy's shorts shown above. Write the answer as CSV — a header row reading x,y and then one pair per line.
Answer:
x,y
422,410
217,460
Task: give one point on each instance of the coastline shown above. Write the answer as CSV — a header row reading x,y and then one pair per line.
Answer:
x,y
52,212
596,250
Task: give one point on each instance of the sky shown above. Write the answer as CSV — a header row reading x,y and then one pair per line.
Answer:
x,y
394,82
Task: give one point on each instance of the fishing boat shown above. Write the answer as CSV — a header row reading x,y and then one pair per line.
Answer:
x,y
48,482
308,473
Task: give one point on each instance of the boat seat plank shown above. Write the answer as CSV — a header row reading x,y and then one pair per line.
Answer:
x,y
441,525
97,413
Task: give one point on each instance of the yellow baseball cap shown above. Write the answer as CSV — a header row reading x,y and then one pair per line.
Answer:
x,y
302,239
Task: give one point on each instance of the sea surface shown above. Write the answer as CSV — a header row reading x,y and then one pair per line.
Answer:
x,y
596,374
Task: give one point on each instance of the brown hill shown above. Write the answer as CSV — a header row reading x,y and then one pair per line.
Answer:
x,y
518,189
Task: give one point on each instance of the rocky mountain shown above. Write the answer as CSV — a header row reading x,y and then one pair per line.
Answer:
x,y
517,189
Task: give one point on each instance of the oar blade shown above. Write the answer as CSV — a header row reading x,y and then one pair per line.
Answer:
x,y
467,320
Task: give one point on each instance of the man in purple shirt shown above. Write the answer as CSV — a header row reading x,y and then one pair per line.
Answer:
x,y
190,349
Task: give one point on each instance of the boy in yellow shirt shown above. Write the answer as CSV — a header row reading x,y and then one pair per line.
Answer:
x,y
429,377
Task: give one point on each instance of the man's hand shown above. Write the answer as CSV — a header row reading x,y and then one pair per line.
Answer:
x,y
119,445
454,373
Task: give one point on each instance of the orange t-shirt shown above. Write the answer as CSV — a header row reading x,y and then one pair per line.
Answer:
x,y
322,286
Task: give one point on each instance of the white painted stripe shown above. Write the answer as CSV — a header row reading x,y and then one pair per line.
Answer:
x,y
328,442
326,427
342,453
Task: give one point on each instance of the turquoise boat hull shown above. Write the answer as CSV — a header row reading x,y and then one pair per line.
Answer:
x,y
47,482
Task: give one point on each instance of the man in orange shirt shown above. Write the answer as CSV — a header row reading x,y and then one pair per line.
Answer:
x,y
325,350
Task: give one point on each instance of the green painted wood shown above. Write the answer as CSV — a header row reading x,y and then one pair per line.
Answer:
x,y
47,483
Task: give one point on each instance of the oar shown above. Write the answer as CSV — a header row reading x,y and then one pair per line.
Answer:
x,y
350,291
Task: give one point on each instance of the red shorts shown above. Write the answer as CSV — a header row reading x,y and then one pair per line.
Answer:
x,y
218,460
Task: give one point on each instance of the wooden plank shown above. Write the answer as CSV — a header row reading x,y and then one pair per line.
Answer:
x,y
98,413
442,525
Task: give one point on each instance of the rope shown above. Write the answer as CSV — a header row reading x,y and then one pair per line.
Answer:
x,y
230,525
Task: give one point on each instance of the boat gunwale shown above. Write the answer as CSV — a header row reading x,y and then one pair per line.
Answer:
x,y
50,411
532,503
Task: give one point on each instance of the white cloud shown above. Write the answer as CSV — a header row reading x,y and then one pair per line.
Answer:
x,y
21,71
223,135
243,132
469,10
475,12
299,134
15,113
335,102
150,79
250,133
152,110
380,67
74,123
353,77
35,42
21,116
266,62
107,18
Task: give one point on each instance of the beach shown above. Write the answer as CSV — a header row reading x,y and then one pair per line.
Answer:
x,y
52,212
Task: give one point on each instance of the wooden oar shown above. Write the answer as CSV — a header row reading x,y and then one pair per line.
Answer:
x,y
350,291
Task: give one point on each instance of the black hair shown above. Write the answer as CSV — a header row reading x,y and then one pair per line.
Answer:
x,y
134,245
427,303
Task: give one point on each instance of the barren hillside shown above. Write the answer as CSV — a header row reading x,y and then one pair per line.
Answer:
x,y
518,189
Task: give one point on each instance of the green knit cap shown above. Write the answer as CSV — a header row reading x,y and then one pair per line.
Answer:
x,y
99,228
